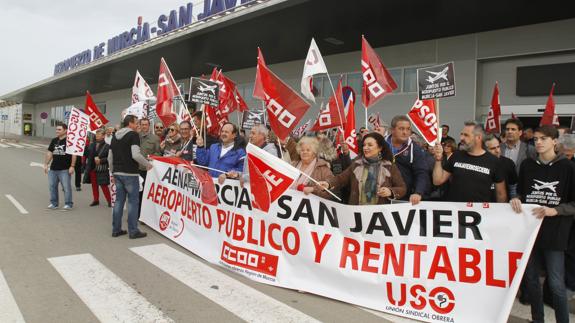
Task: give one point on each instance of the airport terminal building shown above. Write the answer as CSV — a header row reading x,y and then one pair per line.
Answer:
x,y
523,46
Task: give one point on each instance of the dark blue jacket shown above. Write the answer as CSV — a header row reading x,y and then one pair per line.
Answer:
x,y
232,160
412,162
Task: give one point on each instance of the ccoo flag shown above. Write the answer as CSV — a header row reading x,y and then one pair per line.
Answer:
x,y
493,122
167,90
97,118
377,82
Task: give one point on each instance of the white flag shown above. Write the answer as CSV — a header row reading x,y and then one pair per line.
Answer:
x,y
313,65
141,91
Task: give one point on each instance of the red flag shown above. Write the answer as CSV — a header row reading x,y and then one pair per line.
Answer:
x,y
167,89
549,117
242,106
257,183
278,174
333,114
424,118
214,120
208,189
258,86
349,135
377,82
97,119
493,122
285,107
513,116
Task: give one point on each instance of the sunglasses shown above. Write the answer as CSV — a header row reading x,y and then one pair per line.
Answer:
x,y
172,129
159,128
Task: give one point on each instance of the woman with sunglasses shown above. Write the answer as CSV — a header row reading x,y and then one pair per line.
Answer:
x,y
173,141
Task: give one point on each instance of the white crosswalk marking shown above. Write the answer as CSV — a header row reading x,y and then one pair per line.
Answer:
x,y
9,311
240,299
3,145
14,145
28,145
105,294
17,204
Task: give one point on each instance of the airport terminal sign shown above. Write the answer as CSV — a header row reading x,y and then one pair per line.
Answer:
x,y
175,19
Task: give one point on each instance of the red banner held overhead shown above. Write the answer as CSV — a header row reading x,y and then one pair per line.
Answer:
x,y
549,117
493,122
284,106
333,114
424,118
167,90
97,118
377,82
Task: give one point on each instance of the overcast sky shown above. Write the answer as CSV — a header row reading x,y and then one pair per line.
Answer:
x,y
37,34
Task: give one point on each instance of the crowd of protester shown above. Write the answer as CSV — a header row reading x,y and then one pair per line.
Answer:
x,y
393,165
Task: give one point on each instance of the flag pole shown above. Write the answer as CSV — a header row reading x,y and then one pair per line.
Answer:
x,y
336,101
438,123
317,183
280,148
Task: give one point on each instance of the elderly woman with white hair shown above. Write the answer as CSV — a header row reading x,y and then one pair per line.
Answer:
x,y
311,165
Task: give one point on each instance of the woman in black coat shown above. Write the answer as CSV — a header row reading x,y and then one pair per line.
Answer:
x,y
97,168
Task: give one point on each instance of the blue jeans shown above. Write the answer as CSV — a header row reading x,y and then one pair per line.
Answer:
x,y
554,262
126,186
60,176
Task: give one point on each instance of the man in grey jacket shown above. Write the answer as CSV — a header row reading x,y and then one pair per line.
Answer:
x,y
513,148
124,159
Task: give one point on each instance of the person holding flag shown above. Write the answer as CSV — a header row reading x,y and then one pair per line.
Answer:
x,y
373,178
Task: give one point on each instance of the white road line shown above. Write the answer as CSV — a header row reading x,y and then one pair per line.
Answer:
x,y
35,164
14,145
16,204
240,299
105,294
29,145
9,311
3,146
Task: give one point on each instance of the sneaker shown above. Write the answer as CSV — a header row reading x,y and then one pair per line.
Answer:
x,y
78,189
119,233
94,203
138,235
52,207
67,208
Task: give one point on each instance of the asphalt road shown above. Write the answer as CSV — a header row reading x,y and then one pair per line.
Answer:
x,y
58,266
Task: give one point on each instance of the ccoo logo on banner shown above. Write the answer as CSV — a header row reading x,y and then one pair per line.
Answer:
x,y
435,262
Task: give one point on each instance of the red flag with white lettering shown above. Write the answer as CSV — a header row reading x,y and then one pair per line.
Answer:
x,y
258,86
97,119
332,115
284,106
349,135
549,117
424,118
167,90
493,122
278,174
377,82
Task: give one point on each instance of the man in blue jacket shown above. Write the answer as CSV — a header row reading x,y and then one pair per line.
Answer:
x,y
225,156
410,159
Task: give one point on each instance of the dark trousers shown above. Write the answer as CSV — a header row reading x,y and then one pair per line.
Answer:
x,y
554,262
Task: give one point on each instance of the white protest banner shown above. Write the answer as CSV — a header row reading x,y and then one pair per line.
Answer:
x,y
423,117
435,262
78,125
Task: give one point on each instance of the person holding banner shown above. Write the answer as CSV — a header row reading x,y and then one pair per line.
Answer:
x,y
548,180
225,156
149,145
373,178
188,149
311,165
472,170
410,159
59,166
124,158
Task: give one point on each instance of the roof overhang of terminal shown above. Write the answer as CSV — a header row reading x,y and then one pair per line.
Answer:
x,y
283,29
